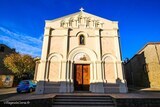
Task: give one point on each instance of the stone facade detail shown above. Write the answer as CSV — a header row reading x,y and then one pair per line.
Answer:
x,y
143,69
80,38
81,20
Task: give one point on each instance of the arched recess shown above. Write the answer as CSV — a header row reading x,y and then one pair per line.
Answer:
x,y
54,67
91,57
75,51
82,33
82,55
110,71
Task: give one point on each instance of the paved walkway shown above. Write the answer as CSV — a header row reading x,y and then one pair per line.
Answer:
x,y
29,96
7,90
136,95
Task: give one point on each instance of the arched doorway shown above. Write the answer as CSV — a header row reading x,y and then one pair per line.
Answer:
x,y
81,72
81,77
82,66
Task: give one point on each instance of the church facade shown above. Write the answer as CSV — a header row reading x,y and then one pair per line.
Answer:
x,y
80,52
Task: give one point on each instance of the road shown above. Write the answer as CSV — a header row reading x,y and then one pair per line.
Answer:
x,y
7,92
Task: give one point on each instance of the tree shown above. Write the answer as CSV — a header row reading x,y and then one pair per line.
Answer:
x,y
22,66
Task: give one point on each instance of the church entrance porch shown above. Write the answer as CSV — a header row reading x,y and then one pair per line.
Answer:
x,y
81,77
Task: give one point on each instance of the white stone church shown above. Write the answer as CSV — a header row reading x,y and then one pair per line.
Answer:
x,y
81,52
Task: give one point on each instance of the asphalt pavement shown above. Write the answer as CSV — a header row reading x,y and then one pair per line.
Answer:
x,y
7,92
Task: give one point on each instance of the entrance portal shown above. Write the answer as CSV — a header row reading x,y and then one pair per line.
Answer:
x,y
81,77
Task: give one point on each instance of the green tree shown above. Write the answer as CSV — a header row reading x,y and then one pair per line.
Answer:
x,y
22,66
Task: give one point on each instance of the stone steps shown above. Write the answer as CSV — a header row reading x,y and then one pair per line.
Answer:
x,y
83,101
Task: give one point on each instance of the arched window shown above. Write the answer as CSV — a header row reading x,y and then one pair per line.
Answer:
x,y
81,40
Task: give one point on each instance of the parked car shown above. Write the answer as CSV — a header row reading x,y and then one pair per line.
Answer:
x,y
26,86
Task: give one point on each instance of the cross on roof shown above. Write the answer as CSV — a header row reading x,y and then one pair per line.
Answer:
x,y
81,9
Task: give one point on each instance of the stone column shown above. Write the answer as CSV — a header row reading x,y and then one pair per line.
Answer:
x,y
42,71
63,85
71,76
120,73
103,70
99,73
100,88
65,67
36,70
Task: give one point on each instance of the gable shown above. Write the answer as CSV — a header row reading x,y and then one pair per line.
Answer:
x,y
82,19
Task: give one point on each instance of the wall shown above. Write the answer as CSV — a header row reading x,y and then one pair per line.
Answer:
x,y
143,69
61,37
6,80
6,75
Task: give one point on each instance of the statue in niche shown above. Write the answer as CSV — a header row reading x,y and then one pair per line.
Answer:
x,y
82,40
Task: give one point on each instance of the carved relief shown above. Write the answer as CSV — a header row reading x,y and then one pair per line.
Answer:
x,y
81,19
81,57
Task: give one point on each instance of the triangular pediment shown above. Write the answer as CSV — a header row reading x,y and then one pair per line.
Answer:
x,y
80,19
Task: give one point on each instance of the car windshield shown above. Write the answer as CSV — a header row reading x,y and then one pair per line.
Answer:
x,y
24,82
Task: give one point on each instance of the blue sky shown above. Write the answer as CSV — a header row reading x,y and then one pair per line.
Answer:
x,y
22,21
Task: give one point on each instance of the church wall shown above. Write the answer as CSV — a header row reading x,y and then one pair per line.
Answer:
x,y
61,43
108,46
57,45
73,43
119,70
56,24
109,33
87,32
59,32
54,71
109,72
37,69
90,42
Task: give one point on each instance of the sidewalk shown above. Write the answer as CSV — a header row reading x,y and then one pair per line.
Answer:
x,y
134,99
135,95
7,90
29,96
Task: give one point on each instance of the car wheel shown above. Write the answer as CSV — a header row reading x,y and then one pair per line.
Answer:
x,y
30,90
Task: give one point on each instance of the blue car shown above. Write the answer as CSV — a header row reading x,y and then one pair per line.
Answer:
x,y
26,86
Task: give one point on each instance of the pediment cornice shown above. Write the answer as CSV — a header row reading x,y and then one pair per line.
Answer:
x,y
81,20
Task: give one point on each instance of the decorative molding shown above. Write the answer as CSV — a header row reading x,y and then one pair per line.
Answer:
x,y
81,21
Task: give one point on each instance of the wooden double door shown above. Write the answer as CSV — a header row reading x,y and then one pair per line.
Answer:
x,y
81,77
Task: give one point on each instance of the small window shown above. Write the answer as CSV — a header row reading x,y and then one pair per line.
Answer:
x,y
2,49
81,40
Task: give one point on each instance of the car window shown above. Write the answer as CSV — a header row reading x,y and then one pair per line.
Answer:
x,y
24,82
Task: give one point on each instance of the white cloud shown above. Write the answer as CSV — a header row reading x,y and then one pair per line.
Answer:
x,y
21,42
41,37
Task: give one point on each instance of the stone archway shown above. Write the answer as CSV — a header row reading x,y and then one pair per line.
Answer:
x,y
81,72
54,67
75,51
109,68
82,62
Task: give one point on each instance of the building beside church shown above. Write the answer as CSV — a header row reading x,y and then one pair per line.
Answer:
x,y
142,70
6,75
81,52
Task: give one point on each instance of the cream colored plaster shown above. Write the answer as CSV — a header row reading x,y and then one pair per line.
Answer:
x,y
62,43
